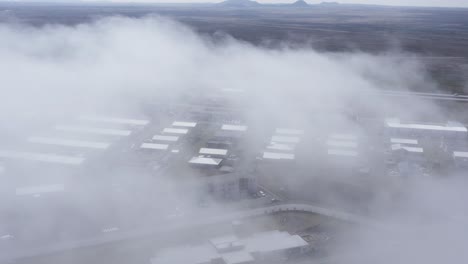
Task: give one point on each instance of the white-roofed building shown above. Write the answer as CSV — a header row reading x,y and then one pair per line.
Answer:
x,y
181,131
281,147
278,156
166,138
205,161
404,141
153,146
452,131
184,124
41,157
69,142
113,120
257,248
94,130
285,139
213,151
239,128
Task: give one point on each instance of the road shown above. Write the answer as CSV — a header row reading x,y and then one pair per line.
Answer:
x,y
180,225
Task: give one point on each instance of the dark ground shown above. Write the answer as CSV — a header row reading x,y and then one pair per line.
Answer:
x,y
438,34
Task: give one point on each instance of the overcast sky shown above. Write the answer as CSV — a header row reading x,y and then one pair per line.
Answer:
x,y
447,3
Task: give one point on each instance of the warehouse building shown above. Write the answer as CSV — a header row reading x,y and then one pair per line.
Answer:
x,y
450,132
230,186
266,247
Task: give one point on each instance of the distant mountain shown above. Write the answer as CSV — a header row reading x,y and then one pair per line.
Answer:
x,y
239,3
300,3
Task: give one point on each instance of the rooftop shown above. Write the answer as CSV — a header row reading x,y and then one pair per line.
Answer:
x,y
404,141
341,152
184,124
451,126
234,128
113,120
289,131
175,130
460,154
154,146
285,139
69,143
213,151
202,160
94,130
166,138
231,249
42,157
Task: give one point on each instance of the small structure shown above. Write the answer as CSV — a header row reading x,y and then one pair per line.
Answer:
x,y
258,248
278,156
113,120
184,124
69,142
239,128
153,146
94,130
213,151
203,161
166,138
182,131
42,157
460,159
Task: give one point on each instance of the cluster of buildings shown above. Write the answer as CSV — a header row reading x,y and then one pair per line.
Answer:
x,y
64,150
169,136
282,146
266,247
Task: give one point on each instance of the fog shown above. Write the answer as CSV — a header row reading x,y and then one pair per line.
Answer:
x,y
52,74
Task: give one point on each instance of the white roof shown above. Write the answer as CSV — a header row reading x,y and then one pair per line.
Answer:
x,y
453,128
234,128
123,121
409,149
341,152
338,136
278,156
42,157
184,124
404,141
285,139
205,161
342,144
175,130
31,190
94,130
212,151
154,146
69,143
283,147
166,138
266,242
289,131
460,154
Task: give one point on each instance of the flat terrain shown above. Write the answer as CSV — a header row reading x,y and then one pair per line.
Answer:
x,y
440,35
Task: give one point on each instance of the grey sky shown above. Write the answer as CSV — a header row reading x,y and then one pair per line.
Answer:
x,y
445,3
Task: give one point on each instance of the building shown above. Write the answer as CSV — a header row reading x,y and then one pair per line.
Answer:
x,y
266,247
460,159
450,132
230,186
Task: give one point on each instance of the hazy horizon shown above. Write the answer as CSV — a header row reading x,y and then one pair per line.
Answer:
x,y
420,3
